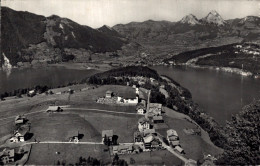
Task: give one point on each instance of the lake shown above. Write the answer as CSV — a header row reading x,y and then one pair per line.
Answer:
x,y
50,76
218,93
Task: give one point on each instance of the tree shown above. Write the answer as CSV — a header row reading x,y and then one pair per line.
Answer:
x,y
242,146
132,161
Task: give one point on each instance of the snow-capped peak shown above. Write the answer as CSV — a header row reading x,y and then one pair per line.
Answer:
x,y
215,18
190,19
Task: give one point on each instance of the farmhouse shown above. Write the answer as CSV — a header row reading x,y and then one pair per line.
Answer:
x,y
175,143
73,136
7,156
21,133
109,94
150,142
179,149
141,108
148,132
123,149
158,119
172,135
20,119
138,136
107,136
54,109
32,93
143,124
155,109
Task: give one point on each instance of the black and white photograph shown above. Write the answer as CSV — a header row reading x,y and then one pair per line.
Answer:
x,y
130,82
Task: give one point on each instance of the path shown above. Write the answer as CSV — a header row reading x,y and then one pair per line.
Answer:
x,y
60,142
171,150
99,110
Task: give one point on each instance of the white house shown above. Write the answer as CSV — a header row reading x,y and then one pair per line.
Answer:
x,y
143,124
141,108
131,100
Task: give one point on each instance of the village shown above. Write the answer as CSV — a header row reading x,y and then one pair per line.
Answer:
x,y
150,133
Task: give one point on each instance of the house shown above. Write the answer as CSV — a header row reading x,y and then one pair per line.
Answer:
x,y
171,62
14,139
137,91
191,162
141,108
150,142
107,136
179,149
109,94
138,136
147,141
133,100
20,119
155,109
158,119
123,149
32,93
7,156
156,143
172,135
54,109
21,133
143,124
148,132
175,143
73,136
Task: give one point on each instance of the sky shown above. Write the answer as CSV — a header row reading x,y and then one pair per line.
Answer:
x,y
96,13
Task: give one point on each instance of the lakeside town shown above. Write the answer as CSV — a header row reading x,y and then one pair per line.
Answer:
x,y
150,131
118,83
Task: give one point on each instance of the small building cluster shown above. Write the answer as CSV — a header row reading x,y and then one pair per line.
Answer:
x,y
7,156
53,109
173,139
108,137
22,129
73,136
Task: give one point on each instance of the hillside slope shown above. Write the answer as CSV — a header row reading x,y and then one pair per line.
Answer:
x,y
27,37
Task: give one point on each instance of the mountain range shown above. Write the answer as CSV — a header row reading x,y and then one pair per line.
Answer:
x,y
27,37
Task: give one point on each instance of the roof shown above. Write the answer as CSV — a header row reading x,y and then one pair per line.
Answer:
x,y
178,148
148,139
19,117
149,131
53,108
143,120
157,118
140,106
172,138
125,147
175,143
155,105
137,134
171,132
23,130
109,92
108,133
128,94
9,152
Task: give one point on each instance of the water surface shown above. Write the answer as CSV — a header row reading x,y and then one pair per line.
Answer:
x,y
218,93
30,77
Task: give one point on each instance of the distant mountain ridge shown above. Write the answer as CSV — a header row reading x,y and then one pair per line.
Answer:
x,y
28,37
165,38
31,38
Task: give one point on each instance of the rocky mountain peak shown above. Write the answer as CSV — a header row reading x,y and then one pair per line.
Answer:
x,y
214,18
190,19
